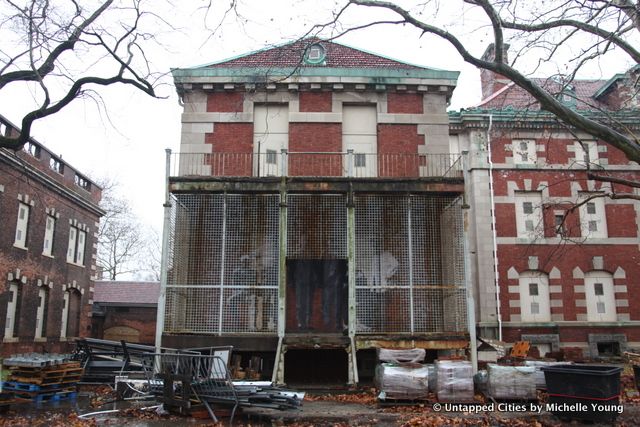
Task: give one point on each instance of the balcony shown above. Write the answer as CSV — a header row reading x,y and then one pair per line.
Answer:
x,y
316,164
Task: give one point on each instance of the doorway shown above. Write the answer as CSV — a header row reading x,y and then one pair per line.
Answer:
x,y
317,293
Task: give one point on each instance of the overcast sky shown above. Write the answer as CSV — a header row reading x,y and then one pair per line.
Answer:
x,y
128,144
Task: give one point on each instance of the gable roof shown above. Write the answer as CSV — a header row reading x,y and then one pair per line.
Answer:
x,y
109,292
512,96
287,61
291,55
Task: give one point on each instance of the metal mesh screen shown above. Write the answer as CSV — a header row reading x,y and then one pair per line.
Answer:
x,y
223,245
409,268
317,226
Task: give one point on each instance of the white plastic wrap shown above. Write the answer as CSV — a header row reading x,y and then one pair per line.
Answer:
x,y
539,375
455,380
511,382
414,355
432,377
402,381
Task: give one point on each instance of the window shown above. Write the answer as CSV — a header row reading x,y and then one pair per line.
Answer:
x,y
534,297
592,217
590,148
529,214
49,229
12,320
559,224
272,157
598,289
360,160
524,152
82,182
601,303
22,226
75,252
315,54
71,314
41,313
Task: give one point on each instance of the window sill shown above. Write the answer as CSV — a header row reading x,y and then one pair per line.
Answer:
x,y
10,339
74,264
41,339
48,256
17,246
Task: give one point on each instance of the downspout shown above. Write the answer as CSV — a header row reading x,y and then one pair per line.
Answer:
x,y
165,255
493,230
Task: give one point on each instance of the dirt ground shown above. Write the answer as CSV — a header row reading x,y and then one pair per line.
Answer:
x,y
359,408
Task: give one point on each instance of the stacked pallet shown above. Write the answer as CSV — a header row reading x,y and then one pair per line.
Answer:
x,y
42,379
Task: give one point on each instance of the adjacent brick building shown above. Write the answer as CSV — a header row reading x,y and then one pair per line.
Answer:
x,y
563,276
50,217
125,311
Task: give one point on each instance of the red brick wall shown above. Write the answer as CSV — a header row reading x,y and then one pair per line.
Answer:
x,y
225,102
556,151
34,266
505,220
404,103
143,319
570,334
621,221
565,258
227,139
315,102
315,137
393,142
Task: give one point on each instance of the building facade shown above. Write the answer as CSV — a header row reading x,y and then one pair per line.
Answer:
x,y
315,211
565,269
50,216
125,311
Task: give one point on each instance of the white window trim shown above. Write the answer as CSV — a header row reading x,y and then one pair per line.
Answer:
x,y
65,315
542,299
48,236
581,158
22,226
77,246
608,298
531,152
43,296
600,217
12,309
535,198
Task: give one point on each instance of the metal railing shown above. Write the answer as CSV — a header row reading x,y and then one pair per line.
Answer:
x,y
317,164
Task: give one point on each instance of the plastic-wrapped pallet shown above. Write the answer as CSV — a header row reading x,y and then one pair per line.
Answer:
x,y
432,377
539,375
455,380
402,381
414,355
511,382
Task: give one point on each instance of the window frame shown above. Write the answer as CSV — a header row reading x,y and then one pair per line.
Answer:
x,y
49,235
597,220
22,226
524,200
541,300
77,244
531,152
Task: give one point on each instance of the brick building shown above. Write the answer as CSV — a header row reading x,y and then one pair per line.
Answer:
x,y
50,216
125,311
315,211
562,277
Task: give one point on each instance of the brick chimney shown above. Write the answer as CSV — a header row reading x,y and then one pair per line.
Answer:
x,y
490,81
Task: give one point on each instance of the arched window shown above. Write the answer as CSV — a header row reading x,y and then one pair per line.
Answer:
x,y
71,312
601,302
12,321
534,297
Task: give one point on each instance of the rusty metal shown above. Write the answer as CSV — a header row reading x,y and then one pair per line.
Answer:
x,y
399,344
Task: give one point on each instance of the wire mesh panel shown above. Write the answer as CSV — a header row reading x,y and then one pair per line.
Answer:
x,y
452,249
223,245
382,263
409,264
317,226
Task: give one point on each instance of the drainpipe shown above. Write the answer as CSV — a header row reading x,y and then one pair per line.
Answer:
x,y
493,230
165,255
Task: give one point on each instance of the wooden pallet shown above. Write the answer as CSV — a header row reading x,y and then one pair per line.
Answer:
x,y
63,373
47,396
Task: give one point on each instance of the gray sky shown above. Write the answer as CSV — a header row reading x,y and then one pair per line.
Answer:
x,y
128,141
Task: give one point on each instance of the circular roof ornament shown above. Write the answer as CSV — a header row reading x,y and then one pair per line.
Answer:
x,y
315,54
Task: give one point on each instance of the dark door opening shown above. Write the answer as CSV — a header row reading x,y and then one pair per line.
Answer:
x,y
316,367
317,293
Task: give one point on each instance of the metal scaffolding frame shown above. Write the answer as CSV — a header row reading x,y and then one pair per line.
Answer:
x,y
225,260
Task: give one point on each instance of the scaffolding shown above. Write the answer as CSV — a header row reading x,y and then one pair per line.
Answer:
x,y
224,263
